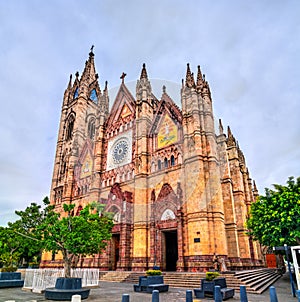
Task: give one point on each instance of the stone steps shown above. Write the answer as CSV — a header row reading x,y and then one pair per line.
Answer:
x,y
256,281
114,276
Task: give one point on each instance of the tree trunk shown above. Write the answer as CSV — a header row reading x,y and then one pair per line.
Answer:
x,y
67,264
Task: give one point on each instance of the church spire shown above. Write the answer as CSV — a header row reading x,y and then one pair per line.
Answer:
x,y
199,77
70,82
89,73
231,142
189,78
221,129
144,72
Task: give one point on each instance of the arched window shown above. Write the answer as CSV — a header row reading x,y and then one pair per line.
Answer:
x,y
91,129
70,127
76,93
159,164
166,163
63,168
172,160
93,96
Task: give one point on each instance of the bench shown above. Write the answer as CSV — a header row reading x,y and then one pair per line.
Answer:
x,y
10,279
207,288
151,283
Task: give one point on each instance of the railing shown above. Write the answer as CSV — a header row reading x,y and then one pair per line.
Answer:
x,y
39,279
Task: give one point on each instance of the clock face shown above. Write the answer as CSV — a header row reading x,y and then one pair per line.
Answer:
x,y
120,150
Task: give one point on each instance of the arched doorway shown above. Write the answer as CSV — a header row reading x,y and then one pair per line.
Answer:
x,y
170,247
115,251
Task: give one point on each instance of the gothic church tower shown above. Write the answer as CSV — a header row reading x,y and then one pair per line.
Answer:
x,y
179,192
80,138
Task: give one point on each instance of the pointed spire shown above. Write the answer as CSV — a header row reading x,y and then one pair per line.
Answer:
x,y
231,142
70,82
189,78
241,156
144,72
255,191
199,77
164,89
89,72
254,186
105,88
221,129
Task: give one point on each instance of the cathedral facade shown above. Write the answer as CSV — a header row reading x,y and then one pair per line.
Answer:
x,y
179,190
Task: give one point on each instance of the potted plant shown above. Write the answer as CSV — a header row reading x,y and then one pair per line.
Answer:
x,y
209,276
208,284
9,276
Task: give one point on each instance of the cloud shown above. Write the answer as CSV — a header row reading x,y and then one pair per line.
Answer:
x,y
248,51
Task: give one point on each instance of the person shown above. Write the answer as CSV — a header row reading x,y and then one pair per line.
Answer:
x,y
216,262
223,265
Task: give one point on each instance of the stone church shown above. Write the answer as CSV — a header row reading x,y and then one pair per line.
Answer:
x,y
179,189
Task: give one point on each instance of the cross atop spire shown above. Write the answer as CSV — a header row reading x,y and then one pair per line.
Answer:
x,y
91,52
123,76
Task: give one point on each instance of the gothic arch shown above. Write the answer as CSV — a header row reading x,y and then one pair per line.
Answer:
x,y
70,125
166,200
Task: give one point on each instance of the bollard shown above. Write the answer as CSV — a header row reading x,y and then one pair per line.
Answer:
x,y
76,298
125,298
298,295
243,293
155,296
189,296
218,294
273,295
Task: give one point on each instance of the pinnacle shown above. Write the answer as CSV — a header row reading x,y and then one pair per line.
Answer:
x,y
189,78
144,72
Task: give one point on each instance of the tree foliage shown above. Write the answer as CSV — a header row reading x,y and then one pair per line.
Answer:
x,y
16,239
45,229
86,234
274,218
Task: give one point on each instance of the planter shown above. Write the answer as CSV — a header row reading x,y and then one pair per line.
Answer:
x,y
209,286
65,288
149,283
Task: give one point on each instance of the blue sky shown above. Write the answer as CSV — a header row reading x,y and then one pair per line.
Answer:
x,y
249,51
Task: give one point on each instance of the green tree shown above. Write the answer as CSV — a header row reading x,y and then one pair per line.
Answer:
x,y
45,229
10,249
274,218
16,239
75,236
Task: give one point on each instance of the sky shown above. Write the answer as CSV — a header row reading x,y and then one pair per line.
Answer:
x,y
248,50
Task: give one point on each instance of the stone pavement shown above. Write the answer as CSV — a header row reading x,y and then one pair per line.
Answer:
x,y
112,292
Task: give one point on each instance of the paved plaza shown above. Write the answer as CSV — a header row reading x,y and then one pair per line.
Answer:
x,y
112,292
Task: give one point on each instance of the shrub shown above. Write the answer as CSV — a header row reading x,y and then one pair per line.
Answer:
x,y
8,269
153,272
211,275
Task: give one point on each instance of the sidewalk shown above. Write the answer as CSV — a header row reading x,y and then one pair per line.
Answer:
x,y
112,292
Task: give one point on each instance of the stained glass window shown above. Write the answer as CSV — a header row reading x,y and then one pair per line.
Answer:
x,y
93,96
76,93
